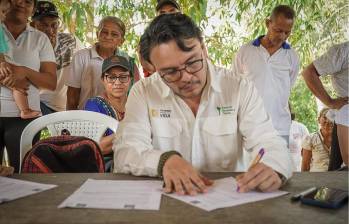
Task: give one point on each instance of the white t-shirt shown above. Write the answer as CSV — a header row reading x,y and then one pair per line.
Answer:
x,y
273,77
85,73
231,117
29,49
335,63
298,133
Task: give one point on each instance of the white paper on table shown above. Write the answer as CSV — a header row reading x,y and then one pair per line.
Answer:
x,y
114,194
11,189
223,194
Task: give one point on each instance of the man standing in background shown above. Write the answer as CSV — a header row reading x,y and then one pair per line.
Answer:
x,y
46,19
167,6
273,66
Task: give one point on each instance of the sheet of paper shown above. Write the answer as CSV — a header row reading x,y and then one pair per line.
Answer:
x,y
11,189
223,194
113,194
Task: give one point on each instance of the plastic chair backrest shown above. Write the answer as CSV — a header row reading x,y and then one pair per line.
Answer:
x,y
78,122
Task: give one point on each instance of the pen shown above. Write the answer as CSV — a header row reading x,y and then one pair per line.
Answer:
x,y
258,158
255,161
296,197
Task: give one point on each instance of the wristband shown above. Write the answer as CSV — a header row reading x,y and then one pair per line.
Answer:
x,y
163,158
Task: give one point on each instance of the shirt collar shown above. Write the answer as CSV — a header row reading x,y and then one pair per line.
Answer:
x,y
93,52
212,81
257,43
28,28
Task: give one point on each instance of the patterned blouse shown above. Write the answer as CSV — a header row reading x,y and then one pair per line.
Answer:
x,y
101,105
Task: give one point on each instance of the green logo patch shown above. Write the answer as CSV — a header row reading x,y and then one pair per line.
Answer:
x,y
224,110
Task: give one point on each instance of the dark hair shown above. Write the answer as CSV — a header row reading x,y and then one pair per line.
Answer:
x,y
167,27
284,10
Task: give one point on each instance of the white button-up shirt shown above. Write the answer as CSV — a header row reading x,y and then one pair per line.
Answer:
x,y
85,72
274,75
231,115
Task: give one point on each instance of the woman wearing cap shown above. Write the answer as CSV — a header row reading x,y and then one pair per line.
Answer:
x,y
33,67
117,81
316,147
84,72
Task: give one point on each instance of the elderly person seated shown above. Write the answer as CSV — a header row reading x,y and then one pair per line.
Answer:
x,y
316,147
117,81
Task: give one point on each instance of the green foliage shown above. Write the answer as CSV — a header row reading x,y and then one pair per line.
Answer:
x,y
45,133
319,24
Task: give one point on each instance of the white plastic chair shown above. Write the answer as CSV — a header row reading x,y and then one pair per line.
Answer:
x,y
78,122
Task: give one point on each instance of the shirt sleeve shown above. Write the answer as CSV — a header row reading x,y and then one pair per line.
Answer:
x,y
294,67
3,42
74,71
133,150
306,144
258,132
237,65
46,53
331,62
91,105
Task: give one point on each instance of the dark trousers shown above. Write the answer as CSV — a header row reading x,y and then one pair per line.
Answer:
x,y
11,129
45,109
335,156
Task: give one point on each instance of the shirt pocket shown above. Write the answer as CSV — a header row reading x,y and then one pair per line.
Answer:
x,y
220,137
282,76
166,134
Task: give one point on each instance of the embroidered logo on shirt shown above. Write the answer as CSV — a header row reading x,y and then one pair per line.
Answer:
x,y
219,111
163,113
154,113
224,110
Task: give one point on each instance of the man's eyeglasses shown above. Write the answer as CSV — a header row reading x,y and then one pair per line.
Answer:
x,y
173,75
122,77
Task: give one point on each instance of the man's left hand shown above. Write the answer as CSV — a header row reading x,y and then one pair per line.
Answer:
x,y
260,177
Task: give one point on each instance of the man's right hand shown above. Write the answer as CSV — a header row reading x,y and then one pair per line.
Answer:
x,y
338,103
181,177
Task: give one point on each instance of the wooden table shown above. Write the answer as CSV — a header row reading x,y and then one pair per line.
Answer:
x,y
42,207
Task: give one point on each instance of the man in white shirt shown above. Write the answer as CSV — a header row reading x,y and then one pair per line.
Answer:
x,y
46,19
335,63
191,116
273,66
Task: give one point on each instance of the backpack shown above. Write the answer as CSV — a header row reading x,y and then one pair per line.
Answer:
x,y
64,154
